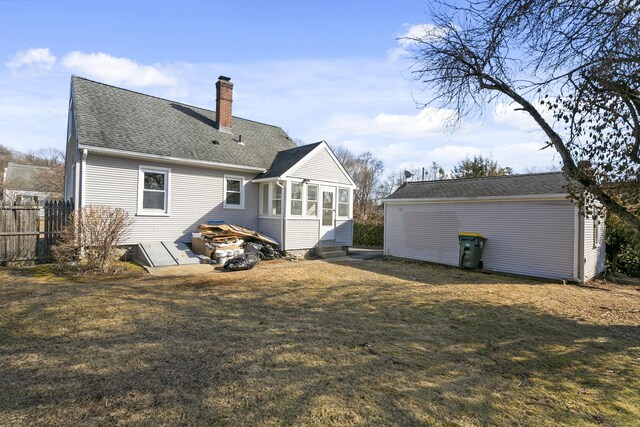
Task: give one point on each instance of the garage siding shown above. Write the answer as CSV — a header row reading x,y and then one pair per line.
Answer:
x,y
594,255
529,237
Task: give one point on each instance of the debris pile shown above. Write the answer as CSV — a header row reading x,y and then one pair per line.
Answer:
x,y
233,246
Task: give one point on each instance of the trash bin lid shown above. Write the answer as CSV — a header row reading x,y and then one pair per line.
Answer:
x,y
470,234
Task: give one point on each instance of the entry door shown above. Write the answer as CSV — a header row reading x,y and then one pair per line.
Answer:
x,y
327,214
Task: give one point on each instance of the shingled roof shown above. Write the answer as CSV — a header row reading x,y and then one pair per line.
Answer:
x,y
511,185
120,119
286,159
23,177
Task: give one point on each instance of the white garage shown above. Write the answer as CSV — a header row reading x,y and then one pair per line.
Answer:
x,y
530,225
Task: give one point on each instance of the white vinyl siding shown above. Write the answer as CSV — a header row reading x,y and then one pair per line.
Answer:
x,y
344,232
302,233
320,167
594,251
196,197
272,227
524,237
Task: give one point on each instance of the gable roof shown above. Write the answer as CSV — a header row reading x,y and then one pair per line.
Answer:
x,y
498,186
286,159
23,177
119,119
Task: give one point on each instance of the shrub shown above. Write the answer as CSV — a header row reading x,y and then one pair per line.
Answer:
x,y
623,247
90,241
368,234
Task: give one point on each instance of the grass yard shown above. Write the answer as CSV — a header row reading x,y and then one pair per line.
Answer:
x,y
311,343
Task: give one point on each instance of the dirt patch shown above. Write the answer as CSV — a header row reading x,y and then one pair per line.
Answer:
x,y
315,343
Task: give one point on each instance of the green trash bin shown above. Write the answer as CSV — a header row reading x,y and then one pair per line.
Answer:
x,y
471,245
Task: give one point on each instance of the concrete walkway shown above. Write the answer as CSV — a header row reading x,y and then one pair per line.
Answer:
x,y
355,254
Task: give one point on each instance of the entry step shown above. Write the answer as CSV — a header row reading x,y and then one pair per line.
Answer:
x,y
330,251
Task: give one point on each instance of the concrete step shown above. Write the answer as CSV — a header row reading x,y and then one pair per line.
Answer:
x,y
321,249
331,254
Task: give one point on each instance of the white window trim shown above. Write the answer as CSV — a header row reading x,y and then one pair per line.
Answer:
x,y
291,199
305,206
283,207
167,200
349,204
224,192
596,231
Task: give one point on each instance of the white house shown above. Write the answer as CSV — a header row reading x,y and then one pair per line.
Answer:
x,y
174,166
530,225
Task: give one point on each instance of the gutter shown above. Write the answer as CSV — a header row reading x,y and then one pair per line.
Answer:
x,y
168,159
479,199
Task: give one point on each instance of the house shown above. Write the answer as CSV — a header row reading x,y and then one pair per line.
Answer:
x,y
24,184
531,227
173,166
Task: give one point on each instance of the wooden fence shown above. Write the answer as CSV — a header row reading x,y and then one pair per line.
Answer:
x,y
28,232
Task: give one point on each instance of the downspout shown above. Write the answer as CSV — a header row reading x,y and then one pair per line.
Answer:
x,y
82,195
282,212
76,182
83,178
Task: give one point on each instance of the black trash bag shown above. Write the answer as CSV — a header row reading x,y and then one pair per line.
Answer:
x,y
268,252
242,262
254,248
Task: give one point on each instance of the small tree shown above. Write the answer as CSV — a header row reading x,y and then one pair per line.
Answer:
x,y
92,238
478,167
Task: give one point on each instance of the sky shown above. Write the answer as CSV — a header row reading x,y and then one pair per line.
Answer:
x,y
331,70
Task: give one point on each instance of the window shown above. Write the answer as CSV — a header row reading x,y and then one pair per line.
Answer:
x,y
276,205
296,198
233,192
596,232
153,191
312,200
343,202
327,208
264,199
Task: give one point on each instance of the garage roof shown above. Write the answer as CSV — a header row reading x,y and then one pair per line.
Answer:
x,y
498,186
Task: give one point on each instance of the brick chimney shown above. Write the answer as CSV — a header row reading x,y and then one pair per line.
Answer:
x,y
224,98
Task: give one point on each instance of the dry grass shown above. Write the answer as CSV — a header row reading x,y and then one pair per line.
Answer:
x,y
311,343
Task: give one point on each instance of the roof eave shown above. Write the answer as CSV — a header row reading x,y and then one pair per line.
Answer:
x,y
168,159
514,198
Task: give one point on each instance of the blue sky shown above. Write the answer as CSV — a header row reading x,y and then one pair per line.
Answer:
x,y
331,70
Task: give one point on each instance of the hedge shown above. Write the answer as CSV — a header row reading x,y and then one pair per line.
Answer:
x,y
368,234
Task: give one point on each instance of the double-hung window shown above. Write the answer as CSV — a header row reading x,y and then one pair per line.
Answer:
x,y
153,190
233,192
312,200
343,202
276,200
296,198
264,199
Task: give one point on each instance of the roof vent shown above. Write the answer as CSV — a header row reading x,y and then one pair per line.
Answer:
x,y
215,142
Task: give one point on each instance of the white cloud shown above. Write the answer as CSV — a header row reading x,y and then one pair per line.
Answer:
x,y
38,59
428,121
114,70
406,39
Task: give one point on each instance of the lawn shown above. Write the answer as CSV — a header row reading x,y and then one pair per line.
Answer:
x,y
311,343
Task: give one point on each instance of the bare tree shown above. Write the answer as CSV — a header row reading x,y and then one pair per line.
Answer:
x,y
366,172
580,60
